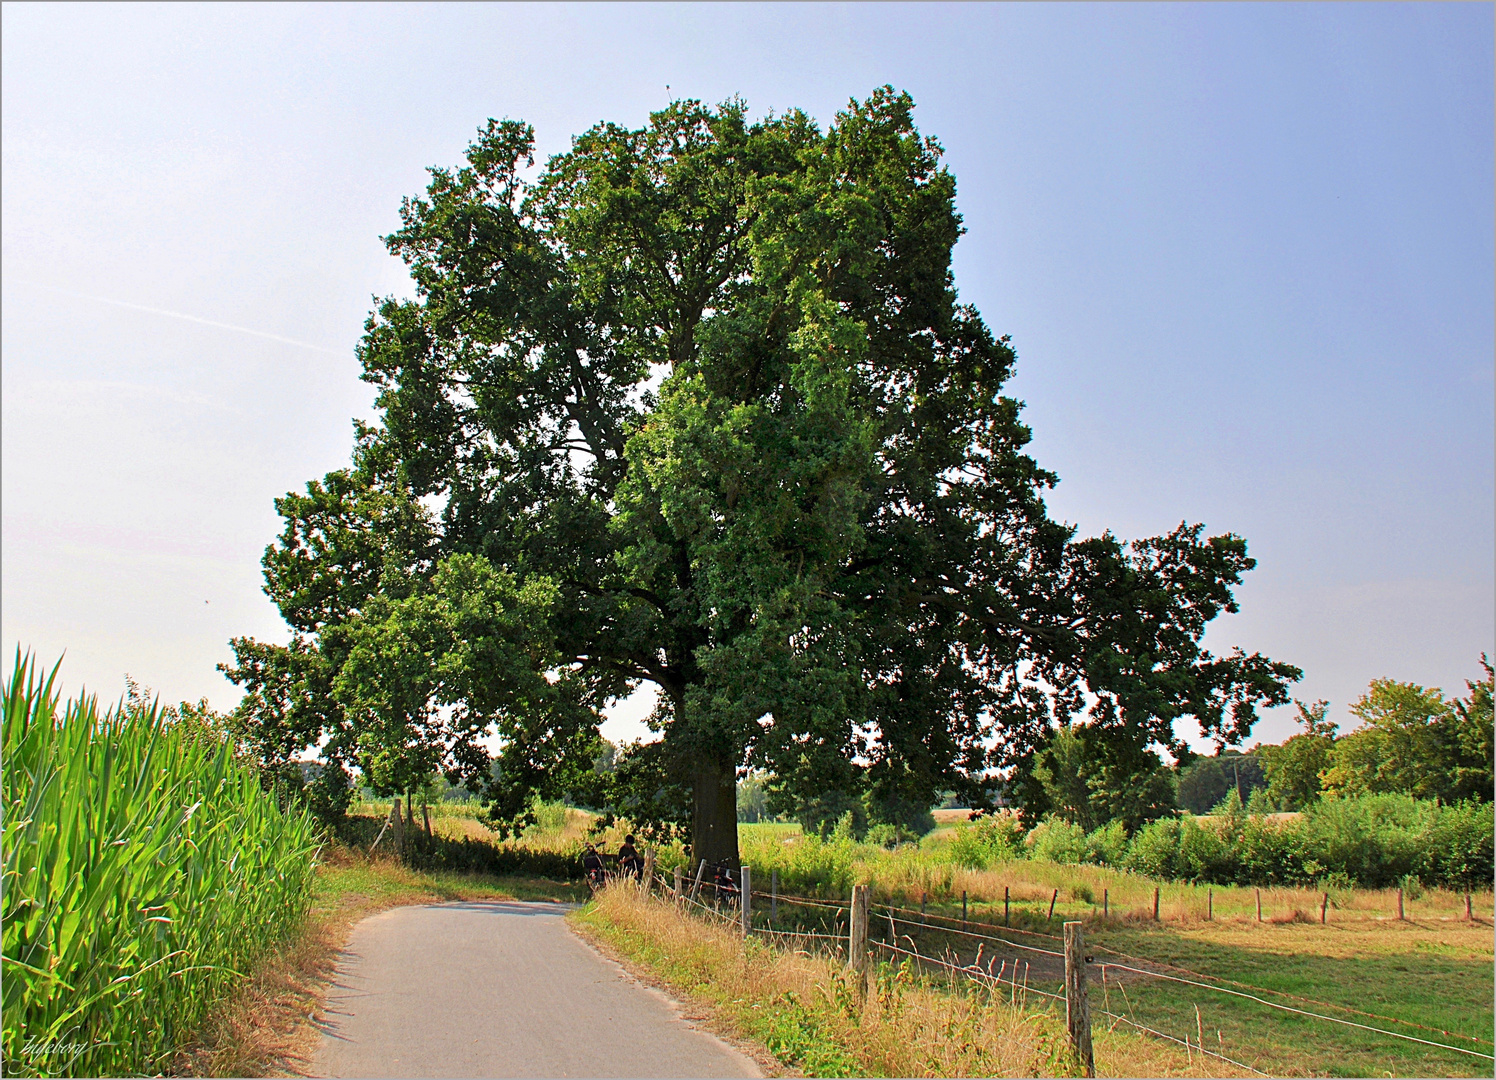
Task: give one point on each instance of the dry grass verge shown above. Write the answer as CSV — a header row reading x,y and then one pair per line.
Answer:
x,y
805,1010
266,1028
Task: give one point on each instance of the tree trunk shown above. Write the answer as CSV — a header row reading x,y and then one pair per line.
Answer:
x,y
714,824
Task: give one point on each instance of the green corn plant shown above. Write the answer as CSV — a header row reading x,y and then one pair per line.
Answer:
x,y
144,871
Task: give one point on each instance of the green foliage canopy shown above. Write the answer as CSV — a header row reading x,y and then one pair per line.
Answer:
x,y
1089,776
1293,769
701,398
1205,781
1416,743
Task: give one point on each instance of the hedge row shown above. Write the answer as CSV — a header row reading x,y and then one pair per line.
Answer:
x,y
1372,841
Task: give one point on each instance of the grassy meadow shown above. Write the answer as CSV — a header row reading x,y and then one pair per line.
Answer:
x,y
1428,975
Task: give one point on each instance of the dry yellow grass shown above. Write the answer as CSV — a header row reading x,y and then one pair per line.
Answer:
x,y
456,821
804,1008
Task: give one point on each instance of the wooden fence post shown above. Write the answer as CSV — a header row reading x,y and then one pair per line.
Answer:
x,y
1324,909
963,911
1210,905
679,888
1469,912
388,821
399,823
700,872
857,936
1052,899
1155,903
1259,905
773,896
647,879
426,813
1106,902
1077,1008
922,898
746,892
1399,904
1005,906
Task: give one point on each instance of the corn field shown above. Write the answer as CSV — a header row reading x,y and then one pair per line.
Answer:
x,y
145,870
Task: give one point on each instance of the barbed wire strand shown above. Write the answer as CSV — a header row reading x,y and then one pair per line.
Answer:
x,y
1184,1042
990,926
1202,975
1219,978
907,922
736,921
1122,967
1286,994
979,977
803,901
984,937
1300,1012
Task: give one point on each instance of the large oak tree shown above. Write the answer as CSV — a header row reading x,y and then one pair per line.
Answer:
x,y
696,405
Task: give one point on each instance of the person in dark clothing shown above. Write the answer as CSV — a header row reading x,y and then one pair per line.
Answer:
x,y
629,863
592,866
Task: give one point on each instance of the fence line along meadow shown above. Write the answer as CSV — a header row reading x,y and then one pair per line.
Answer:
x,y
864,944
145,870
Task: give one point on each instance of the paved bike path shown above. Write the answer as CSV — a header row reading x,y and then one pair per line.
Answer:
x,y
500,989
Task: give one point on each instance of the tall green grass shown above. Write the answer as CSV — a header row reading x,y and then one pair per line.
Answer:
x,y
145,870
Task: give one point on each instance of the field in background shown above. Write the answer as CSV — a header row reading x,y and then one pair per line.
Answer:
x,y
911,872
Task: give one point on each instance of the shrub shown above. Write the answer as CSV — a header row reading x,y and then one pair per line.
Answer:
x,y
1058,841
990,840
1374,841
1155,849
1461,843
1206,852
1107,845
1268,852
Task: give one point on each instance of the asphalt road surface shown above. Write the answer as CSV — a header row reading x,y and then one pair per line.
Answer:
x,y
500,989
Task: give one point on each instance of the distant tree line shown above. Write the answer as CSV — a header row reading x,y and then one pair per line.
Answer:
x,y
1413,741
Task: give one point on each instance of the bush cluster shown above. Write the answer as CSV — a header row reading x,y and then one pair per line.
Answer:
x,y
1371,841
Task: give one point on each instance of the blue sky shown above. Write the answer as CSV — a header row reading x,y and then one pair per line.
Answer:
x,y
1245,253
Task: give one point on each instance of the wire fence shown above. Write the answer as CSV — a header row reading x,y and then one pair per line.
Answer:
x,y
994,937
1006,980
925,916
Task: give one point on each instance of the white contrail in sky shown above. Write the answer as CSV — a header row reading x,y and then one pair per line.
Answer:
x,y
185,318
